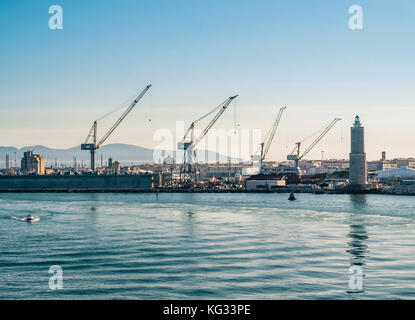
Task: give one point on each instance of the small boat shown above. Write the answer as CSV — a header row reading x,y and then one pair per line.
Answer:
x,y
31,218
292,196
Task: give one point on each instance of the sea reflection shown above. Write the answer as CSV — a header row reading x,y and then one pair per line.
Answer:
x,y
357,236
209,246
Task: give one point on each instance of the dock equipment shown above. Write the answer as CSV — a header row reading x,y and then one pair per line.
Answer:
x,y
189,167
295,154
91,143
266,144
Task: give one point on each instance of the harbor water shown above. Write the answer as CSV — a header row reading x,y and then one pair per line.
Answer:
x,y
207,246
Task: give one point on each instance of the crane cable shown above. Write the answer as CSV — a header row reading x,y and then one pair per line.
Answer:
x,y
234,117
203,117
210,112
309,137
121,106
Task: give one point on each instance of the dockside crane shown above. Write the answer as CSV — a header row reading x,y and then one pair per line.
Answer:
x,y
189,142
295,154
266,144
91,143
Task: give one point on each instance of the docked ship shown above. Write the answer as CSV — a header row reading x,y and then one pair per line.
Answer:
x,y
273,177
290,174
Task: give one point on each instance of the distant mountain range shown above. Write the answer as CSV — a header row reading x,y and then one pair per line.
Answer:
x,y
124,153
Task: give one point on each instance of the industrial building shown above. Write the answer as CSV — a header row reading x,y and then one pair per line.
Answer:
x,y
7,162
222,170
266,183
358,165
405,162
32,163
76,182
381,165
384,164
395,175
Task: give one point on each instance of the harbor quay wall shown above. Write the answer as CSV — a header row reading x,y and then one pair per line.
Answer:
x,y
400,190
146,183
75,182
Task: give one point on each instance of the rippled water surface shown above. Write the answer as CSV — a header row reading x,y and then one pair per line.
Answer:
x,y
207,246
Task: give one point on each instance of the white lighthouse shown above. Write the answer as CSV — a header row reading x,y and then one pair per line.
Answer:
x,y
358,165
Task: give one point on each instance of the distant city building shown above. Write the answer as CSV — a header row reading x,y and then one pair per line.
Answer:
x,y
384,164
358,165
169,160
409,162
49,171
381,165
383,155
7,162
32,163
110,163
116,167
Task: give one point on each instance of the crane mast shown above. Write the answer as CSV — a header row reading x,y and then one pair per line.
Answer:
x,y
92,146
189,167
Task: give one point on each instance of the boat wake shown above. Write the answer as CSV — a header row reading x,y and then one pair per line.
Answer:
x,y
29,218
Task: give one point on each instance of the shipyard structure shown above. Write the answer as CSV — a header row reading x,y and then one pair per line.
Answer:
x,y
76,183
357,162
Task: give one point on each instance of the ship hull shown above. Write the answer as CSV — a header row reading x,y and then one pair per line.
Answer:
x,y
292,178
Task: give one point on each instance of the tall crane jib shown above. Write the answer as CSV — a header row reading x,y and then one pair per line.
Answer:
x,y
91,143
266,144
189,142
295,154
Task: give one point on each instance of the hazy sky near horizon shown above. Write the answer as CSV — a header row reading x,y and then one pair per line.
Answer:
x,y
54,83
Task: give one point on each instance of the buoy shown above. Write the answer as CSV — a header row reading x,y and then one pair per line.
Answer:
x,y
292,196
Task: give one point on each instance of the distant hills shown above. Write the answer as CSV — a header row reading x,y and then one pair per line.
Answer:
x,y
125,153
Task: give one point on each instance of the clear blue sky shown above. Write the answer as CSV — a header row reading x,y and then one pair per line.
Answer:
x,y
53,84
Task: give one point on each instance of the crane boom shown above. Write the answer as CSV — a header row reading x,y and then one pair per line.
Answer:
x,y
120,119
188,143
271,134
213,121
322,134
93,146
297,157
